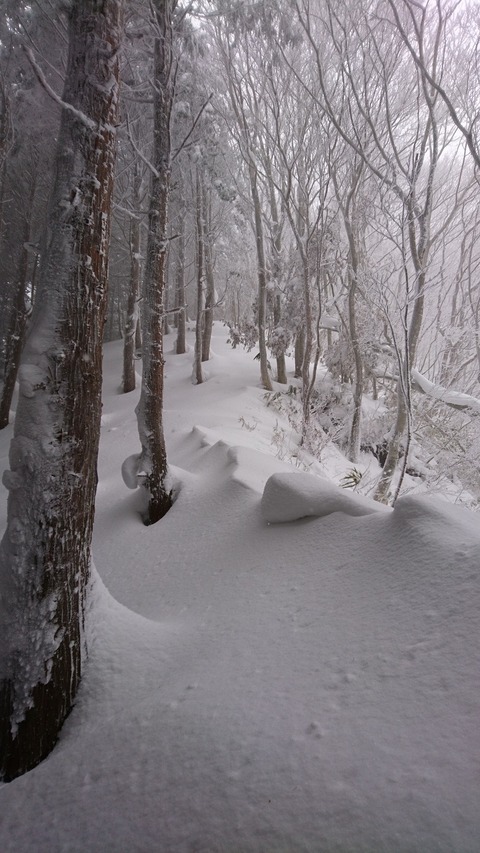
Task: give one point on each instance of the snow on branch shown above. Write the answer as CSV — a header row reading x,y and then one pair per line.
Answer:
x,y
455,399
330,323
88,122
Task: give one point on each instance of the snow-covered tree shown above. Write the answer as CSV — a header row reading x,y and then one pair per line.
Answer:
x,y
45,553
150,466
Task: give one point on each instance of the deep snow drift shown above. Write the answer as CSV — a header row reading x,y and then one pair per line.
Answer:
x,y
297,672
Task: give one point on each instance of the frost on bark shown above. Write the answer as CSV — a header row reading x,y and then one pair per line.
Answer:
x,y
152,461
45,553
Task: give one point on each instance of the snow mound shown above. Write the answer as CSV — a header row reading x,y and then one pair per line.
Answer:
x,y
441,522
291,496
130,470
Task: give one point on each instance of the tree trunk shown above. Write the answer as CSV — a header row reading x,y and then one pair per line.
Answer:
x,y
276,248
262,278
153,458
209,296
197,366
299,352
382,491
166,295
308,345
45,553
354,442
138,335
419,253
132,301
280,358
180,346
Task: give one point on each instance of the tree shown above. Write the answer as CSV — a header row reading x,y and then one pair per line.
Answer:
x,y
151,464
131,313
391,118
45,554
25,177
464,117
244,96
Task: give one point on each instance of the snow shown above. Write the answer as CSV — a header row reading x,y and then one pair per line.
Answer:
x,y
446,395
288,497
130,469
278,666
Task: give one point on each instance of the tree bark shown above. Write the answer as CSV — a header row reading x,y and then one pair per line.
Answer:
x,y
152,462
45,553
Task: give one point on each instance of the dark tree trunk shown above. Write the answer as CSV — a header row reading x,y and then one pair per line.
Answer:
x,y
138,335
280,358
45,553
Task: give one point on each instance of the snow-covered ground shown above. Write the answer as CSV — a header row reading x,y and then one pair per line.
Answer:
x,y
278,674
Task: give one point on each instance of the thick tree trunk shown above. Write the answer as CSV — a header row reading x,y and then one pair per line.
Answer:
x,y
45,553
152,462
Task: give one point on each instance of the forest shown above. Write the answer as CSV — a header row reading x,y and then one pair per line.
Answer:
x,y
300,174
